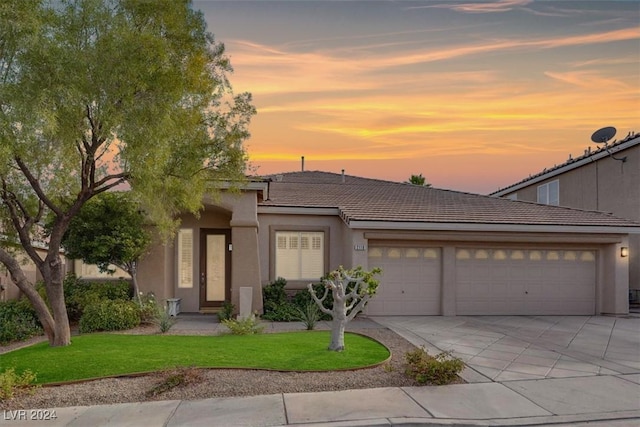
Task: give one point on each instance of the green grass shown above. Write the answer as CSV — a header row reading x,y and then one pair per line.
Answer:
x,y
100,355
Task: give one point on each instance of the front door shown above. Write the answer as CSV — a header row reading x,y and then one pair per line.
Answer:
x,y
215,267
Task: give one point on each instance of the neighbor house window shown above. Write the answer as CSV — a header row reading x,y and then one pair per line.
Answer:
x,y
299,255
185,258
549,193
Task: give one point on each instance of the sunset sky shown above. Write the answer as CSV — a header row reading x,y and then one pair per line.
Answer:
x,y
473,95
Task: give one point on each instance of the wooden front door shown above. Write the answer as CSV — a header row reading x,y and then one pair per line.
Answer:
x,y
215,267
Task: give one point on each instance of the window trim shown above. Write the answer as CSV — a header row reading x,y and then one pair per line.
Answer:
x,y
295,228
545,187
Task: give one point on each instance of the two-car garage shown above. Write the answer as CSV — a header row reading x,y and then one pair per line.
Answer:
x,y
484,280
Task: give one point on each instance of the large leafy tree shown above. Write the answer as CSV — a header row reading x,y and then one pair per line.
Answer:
x,y
109,230
97,94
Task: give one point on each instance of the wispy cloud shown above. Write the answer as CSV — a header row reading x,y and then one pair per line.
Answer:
x,y
476,101
620,60
481,7
588,79
274,69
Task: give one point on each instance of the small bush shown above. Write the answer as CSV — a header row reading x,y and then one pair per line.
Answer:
x,y
12,383
285,312
276,303
19,321
227,311
179,377
247,326
309,315
163,320
149,308
110,315
78,294
425,369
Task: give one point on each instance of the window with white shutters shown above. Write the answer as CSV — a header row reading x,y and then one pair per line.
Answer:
x,y
185,258
299,255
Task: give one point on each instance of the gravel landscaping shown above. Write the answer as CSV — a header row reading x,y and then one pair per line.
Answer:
x,y
207,383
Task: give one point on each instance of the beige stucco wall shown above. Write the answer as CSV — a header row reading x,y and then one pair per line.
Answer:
x,y
333,226
236,212
605,185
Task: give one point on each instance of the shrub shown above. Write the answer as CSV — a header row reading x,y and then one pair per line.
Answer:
x,y
277,306
302,299
227,311
149,308
163,320
286,312
110,315
274,296
19,321
78,293
247,326
309,315
12,383
179,377
425,369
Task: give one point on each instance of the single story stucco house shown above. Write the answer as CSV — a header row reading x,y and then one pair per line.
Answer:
x,y
442,252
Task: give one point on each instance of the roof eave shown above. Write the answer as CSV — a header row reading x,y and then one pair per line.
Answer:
x,y
297,210
490,227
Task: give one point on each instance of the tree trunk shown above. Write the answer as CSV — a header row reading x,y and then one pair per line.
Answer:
x,y
337,335
52,275
339,321
27,289
132,269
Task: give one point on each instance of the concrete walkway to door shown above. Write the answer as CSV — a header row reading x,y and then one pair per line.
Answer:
x,y
508,348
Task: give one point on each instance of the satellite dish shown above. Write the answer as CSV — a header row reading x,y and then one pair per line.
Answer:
x,y
603,135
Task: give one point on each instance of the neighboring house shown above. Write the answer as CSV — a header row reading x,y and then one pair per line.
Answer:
x,y
442,252
91,272
594,181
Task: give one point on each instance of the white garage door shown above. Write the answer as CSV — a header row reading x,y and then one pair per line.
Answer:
x,y
526,282
410,281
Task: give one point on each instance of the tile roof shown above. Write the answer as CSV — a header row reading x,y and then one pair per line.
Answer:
x,y
365,199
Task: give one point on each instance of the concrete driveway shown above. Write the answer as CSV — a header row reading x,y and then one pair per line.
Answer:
x,y
511,348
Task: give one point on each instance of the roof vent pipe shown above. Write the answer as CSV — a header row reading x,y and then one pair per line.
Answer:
x,y
302,159
343,176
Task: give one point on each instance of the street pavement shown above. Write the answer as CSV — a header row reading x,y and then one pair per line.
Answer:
x,y
521,370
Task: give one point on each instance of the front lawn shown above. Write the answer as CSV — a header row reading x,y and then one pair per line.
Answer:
x,y
100,355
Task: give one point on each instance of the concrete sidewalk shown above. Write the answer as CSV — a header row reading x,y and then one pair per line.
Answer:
x,y
521,371
602,400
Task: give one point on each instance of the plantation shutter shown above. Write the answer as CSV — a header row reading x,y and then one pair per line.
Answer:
x,y
185,258
299,255
311,256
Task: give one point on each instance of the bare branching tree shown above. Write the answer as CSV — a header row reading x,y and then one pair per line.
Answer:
x,y
351,290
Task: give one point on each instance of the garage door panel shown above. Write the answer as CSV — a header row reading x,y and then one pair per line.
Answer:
x,y
527,282
410,281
